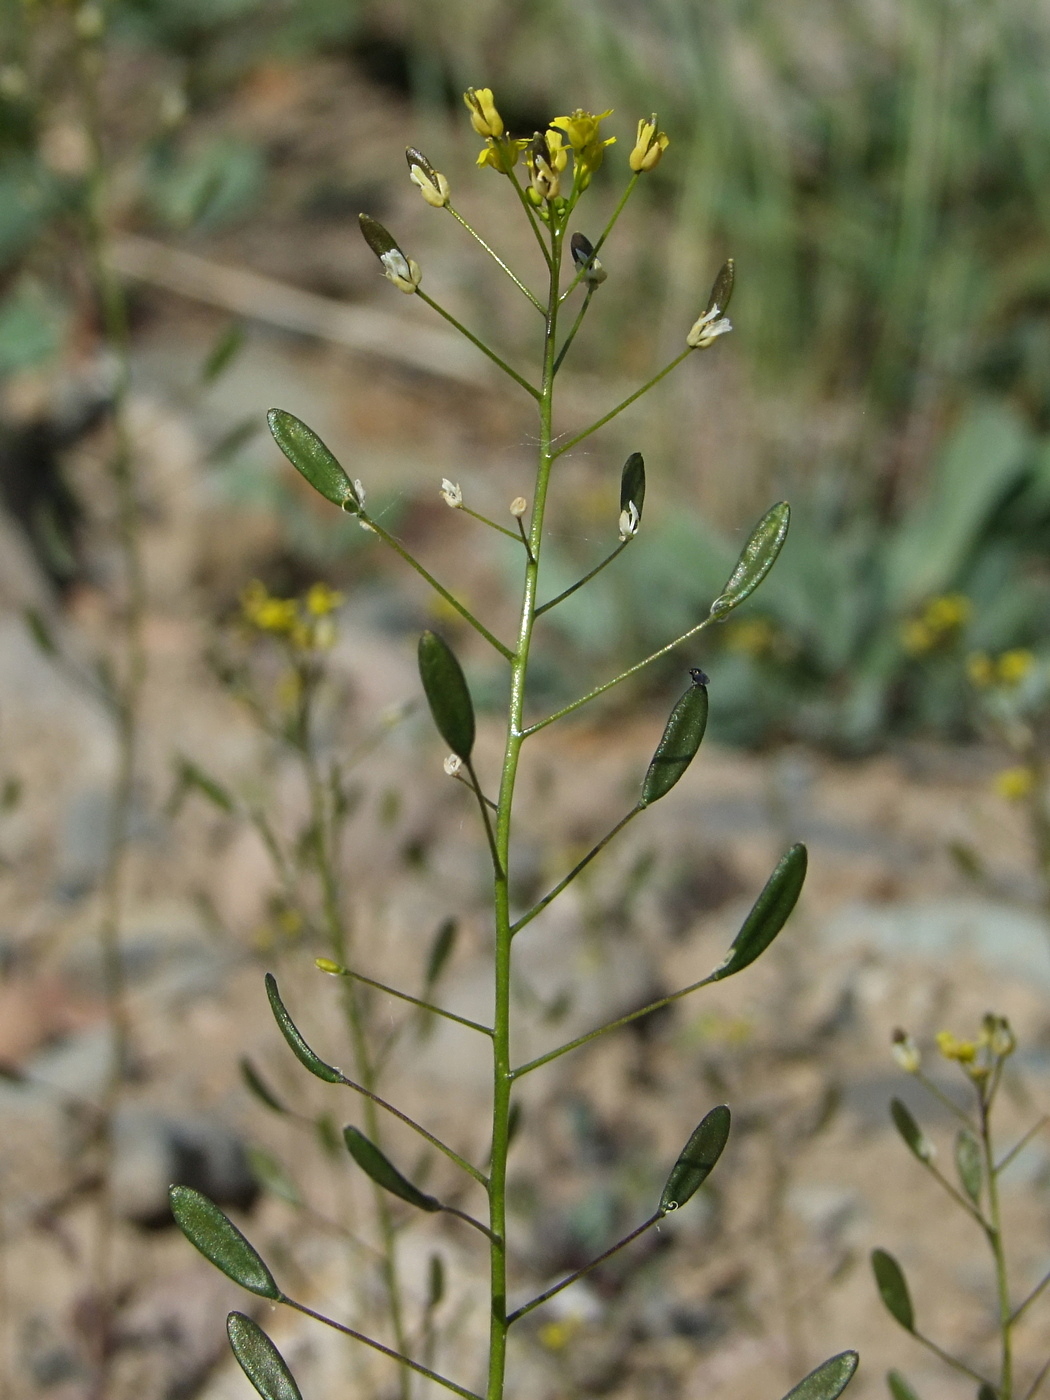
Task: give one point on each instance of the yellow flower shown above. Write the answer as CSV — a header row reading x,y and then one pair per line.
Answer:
x,y
321,600
916,638
546,157
556,1336
583,130
502,155
268,614
484,118
1014,783
954,1049
432,184
980,669
1012,667
946,614
649,146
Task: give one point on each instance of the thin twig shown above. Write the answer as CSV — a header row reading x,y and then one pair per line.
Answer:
x,y
535,1303
415,1001
496,359
1022,1144
624,403
496,258
553,894
568,592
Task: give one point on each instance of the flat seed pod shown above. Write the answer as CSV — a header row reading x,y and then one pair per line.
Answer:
x,y
893,1288
697,1159
721,291
632,487
260,1360
219,1240
678,745
768,915
290,1031
255,1084
756,559
383,1172
829,1379
309,456
447,695
899,1387
968,1164
918,1143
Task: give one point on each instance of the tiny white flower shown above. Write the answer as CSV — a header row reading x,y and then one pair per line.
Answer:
x,y
629,521
707,329
403,272
451,493
519,506
453,764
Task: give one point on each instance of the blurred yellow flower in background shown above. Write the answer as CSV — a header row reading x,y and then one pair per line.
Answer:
x,y
1014,783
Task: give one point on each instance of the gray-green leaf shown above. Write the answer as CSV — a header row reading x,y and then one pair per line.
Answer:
x,y
678,745
260,1360
309,456
447,695
768,914
258,1086
299,1047
918,1143
219,1240
697,1159
379,1167
968,1164
893,1288
273,1176
829,1379
756,559
899,1387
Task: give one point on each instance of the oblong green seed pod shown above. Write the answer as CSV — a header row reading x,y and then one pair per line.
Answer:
x,y
756,559
697,1159
260,1360
445,687
219,1240
312,459
828,1380
678,744
721,290
900,1387
291,1033
378,238
918,1143
379,1167
632,490
893,1288
968,1164
768,914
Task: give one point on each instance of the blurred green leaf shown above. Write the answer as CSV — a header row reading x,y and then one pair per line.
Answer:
x,y
298,1045
206,186
918,1143
260,1360
445,687
309,456
328,1135
756,559
893,1288
899,1388
222,354
257,1086
273,1176
697,1159
33,325
378,1166
40,632
219,1240
968,1164
441,950
678,744
435,1281
829,1379
768,915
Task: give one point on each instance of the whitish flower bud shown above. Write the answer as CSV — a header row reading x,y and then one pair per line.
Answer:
x,y
630,518
519,506
402,271
451,493
906,1052
453,764
649,146
432,184
1001,1039
583,256
714,322
360,491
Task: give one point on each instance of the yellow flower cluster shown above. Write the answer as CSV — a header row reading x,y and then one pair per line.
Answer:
x,y
305,622
1007,669
1015,783
952,1048
977,1057
940,621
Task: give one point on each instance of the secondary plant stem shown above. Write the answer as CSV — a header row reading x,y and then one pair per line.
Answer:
x,y
496,258
614,1249
485,350
626,403
994,1231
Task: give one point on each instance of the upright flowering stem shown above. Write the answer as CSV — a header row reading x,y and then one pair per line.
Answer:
x,y
994,1231
502,1069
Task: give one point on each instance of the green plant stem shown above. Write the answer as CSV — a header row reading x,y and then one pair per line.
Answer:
x,y
1023,1306
948,1102
414,563
469,1220
511,534
378,1346
485,350
994,1230
496,259
608,685
614,1249
553,894
568,592
499,863
626,403
957,1196
575,327
533,221
502,1076
335,921
415,1001
952,1361
1041,1376
1023,1143
605,232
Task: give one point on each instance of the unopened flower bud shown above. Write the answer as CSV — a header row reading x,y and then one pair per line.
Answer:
x,y
583,256
451,493
649,146
432,184
519,506
402,271
484,118
453,764
327,965
1001,1039
906,1052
